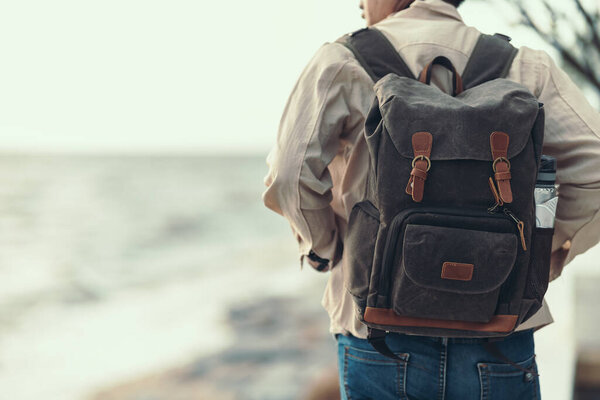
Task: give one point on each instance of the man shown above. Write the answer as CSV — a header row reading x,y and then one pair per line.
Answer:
x,y
318,172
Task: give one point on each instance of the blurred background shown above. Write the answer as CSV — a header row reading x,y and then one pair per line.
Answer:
x,y
137,260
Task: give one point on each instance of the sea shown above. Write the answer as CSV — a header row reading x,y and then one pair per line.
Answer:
x,y
113,267
116,267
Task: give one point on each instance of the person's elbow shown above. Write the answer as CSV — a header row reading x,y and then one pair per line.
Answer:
x,y
271,197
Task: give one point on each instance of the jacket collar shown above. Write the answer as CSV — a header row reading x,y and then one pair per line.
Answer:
x,y
430,9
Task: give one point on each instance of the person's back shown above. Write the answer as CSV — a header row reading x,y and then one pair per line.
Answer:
x,y
318,172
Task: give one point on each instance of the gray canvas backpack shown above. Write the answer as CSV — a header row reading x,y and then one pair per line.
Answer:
x,y
444,242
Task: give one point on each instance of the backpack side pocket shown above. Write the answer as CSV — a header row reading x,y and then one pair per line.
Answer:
x,y
538,273
363,226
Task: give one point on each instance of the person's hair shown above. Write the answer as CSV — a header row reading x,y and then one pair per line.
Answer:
x,y
455,3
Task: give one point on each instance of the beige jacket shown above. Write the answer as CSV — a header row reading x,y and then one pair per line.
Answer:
x,y
318,165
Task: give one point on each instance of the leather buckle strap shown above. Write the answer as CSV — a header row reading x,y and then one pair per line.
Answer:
x,y
421,142
501,165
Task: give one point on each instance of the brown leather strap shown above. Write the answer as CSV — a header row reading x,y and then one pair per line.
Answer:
x,y
457,83
421,142
499,201
386,316
501,165
419,173
502,175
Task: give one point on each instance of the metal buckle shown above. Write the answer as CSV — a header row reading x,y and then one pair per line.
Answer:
x,y
500,159
422,157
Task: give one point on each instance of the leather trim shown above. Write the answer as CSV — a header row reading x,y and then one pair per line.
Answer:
x,y
418,173
386,316
457,82
422,143
424,73
497,198
457,271
499,146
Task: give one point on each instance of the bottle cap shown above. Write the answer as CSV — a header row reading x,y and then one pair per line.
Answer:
x,y
547,172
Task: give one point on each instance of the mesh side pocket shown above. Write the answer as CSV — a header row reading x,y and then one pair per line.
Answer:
x,y
363,225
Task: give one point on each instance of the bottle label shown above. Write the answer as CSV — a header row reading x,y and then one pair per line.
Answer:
x,y
545,212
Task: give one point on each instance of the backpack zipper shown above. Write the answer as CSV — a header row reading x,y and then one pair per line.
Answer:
x,y
520,225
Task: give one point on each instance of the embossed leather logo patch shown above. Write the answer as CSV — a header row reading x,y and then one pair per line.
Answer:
x,y
457,271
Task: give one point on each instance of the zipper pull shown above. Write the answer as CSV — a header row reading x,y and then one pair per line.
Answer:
x,y
499,201
520,226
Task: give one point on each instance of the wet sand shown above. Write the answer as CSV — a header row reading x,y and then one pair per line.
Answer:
x,y
282,345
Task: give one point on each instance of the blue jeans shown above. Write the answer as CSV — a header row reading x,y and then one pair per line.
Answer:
x,y
437,369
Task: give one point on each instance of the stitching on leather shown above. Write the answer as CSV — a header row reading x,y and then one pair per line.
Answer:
x,y
456,271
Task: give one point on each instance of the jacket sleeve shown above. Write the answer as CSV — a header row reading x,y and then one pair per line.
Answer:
x,y
572,135
327,104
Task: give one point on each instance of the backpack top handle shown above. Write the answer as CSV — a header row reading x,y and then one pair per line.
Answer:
x,y
457,83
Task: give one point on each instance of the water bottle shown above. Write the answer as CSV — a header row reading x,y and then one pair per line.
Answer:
x,y
546,194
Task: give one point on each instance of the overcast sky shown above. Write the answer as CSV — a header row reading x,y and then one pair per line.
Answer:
x,y
175,76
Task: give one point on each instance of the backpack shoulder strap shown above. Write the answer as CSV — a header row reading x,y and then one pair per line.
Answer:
x,y
375,53
491,58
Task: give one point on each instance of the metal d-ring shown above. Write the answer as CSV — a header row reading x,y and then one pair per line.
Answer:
x,y
422,157
500,159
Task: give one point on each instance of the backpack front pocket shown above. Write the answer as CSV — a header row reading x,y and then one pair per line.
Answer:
x,y
447,266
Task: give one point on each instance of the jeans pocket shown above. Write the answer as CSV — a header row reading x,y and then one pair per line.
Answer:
x,y
505,382
370,375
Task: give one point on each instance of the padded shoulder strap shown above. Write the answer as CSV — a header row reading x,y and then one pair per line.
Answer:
x,y
491,59
375,53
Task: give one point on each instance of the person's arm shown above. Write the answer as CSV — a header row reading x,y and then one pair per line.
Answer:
x,y
572,135
326,105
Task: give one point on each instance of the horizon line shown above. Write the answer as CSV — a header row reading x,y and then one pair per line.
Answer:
x,y
134,153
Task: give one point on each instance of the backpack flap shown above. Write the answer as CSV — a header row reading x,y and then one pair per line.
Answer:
x,y
461,125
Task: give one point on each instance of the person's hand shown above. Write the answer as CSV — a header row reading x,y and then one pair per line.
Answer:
x,y
557,260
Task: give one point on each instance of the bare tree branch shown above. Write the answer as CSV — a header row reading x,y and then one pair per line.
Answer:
x,y
591,23
583,56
